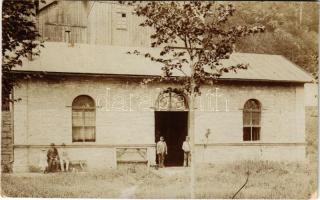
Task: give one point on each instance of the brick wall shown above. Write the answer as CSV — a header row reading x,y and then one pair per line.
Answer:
x,y
125,117
6,141
282,135
44,115
282,115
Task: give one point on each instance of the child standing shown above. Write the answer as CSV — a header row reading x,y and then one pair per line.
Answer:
x,y
187,155
161,151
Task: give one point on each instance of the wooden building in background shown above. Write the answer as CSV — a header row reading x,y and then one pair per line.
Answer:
x,y
91,22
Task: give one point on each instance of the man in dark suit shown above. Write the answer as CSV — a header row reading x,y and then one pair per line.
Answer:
x,y
52,158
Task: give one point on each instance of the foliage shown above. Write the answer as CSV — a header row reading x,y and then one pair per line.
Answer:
x,y
291,31
194,37
19,36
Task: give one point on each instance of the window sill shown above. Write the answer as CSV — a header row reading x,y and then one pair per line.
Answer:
x,y
123,29
84,142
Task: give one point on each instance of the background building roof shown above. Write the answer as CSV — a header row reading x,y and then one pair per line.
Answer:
x,y
46,3
114,60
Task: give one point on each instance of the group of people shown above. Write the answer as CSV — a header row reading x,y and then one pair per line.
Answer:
x,y
162,151
59,159
56,159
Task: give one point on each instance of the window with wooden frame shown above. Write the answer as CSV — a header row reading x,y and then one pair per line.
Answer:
x,y
83,119
251,120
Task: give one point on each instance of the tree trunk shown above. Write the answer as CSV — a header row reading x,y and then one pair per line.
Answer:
x,y
191,132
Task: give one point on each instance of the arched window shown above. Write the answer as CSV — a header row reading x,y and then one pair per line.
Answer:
x,y
83,119
251,120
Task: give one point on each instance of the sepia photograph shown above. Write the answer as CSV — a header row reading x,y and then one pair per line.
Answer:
x,y
159,99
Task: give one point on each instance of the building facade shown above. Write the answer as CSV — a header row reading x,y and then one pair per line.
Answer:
x,y
90,97
106,117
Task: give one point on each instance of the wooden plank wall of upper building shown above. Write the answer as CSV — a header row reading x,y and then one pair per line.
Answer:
x,y
93,22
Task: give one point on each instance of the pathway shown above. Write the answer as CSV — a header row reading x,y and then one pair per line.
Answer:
x,y
162,172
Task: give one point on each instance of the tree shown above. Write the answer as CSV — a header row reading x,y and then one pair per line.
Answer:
x,y
19,35
193,37
292,31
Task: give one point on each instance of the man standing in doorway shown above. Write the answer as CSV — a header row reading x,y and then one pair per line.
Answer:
x,y
161,151
187,155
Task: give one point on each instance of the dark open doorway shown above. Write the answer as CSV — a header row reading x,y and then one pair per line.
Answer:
x,y
173,126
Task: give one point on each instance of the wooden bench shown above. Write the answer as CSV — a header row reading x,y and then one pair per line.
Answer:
x,y
139,155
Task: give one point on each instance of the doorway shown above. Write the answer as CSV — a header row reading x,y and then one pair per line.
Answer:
x,y
173,126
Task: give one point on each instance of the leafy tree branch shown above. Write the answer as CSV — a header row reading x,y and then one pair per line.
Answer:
x,y
192,35
19,39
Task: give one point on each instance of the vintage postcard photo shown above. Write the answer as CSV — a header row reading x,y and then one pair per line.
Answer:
x,y
159,99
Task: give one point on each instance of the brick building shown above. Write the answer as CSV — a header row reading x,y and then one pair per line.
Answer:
x,y
89,97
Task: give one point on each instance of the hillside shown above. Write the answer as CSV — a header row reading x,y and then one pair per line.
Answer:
x,y
291,30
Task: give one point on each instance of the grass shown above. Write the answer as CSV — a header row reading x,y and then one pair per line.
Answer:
x,y
268,180
73,185
166,186
103,184
99,184
312,133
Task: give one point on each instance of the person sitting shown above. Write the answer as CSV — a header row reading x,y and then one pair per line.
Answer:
x,y
43,164
52,158
64,158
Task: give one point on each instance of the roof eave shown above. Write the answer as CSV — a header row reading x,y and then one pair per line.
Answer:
x,y
148,76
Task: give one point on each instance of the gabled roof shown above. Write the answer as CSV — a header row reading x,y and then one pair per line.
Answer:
x,y
114,60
